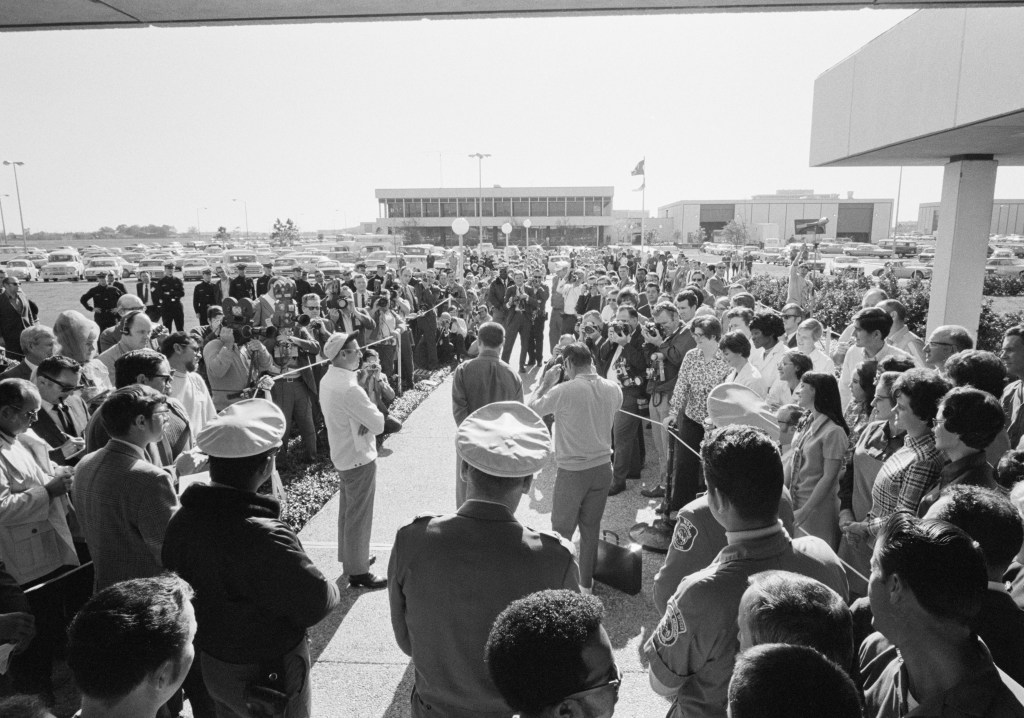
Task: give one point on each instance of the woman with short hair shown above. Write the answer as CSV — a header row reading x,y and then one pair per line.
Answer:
x,y
793,365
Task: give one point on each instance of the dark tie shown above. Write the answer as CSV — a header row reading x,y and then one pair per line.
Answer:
x,y
64,414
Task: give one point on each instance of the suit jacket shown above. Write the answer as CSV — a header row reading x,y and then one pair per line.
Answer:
x,y
53,433
19,371
140,288
123,504
13,322
176,439
473,563
496,293
633,358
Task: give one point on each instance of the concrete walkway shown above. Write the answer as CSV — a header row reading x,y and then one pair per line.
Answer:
x,y
359,672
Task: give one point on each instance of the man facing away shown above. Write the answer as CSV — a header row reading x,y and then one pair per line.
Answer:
x,y
258,590
450,576
130,647
693,649
482,381
584,406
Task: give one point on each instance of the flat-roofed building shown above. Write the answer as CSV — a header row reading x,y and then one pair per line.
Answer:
x,y
559,215
1007,217
782,215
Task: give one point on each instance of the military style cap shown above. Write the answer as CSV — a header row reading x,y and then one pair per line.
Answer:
x,y
334,344
168,264
506,439
246,428
129,302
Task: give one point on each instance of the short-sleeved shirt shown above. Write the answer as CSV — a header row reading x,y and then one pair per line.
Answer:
x,y
751,378
694,646
822,439
697,377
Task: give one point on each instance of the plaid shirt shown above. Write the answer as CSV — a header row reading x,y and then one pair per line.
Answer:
x,y
903,480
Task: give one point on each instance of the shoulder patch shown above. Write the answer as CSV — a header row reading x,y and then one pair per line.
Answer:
x,y
684,535
672,624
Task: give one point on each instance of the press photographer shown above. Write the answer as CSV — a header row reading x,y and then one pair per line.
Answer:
x,y
627,365
349,318
520,303
389,325
235,360
295,390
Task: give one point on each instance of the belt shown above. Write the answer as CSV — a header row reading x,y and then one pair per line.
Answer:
x,y
290,379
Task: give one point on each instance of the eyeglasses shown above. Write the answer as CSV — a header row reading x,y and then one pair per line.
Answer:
x,y
30,415
166,377
614,683
940,344
313,309
62,385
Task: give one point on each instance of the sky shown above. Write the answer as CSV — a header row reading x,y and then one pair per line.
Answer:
x,y
151,126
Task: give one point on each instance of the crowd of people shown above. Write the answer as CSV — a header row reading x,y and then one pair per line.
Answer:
x,y
845,507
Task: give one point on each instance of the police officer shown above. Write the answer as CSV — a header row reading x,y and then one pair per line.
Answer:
x,y
263,281
242,287
169,293
260,590
104,300
206,294
436,620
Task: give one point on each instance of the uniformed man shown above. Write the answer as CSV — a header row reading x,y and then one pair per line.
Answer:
x,y
450,576
104,300
260,591
206,294
241,287
263,281
170,290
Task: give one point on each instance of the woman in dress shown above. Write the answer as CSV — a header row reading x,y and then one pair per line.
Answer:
x,y
862,387
812,473
735,348
913,469
701,371
793,365
879,440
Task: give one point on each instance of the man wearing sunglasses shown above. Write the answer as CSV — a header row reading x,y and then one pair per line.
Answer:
x,y
63,417
583,681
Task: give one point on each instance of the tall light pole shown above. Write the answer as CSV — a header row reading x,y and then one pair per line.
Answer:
x,y
17,189
245,206
480,194
3,222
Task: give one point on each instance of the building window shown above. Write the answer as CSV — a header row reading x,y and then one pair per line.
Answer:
x,y
502,207
488,203
521,207
574,207
431,208
467,207
449,208
594,207
395,208
413,208
539,206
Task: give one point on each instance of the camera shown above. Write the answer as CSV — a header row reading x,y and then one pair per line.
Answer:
x,y
618,327
653,328
342,302
382,303
244,331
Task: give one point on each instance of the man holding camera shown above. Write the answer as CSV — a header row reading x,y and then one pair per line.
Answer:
x,y
541,294
232,367
429,295
295,392
496,294
668,344
627,366
520,304
350,319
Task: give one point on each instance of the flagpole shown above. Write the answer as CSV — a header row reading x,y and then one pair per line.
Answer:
x,y
643,207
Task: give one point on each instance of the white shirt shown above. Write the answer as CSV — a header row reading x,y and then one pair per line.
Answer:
x,y
572,292
346,407
855,356
749,377
190,389
768,364
821,362
611,374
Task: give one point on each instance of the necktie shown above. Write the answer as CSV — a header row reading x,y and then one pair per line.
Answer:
x,y
64,414
145,294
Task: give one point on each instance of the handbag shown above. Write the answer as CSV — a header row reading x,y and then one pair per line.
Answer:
x,y
619,566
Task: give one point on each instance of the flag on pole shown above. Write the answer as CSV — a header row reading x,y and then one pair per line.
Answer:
x,y
642,187
639,169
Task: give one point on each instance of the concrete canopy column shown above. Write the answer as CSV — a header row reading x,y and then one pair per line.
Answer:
x,y
965,216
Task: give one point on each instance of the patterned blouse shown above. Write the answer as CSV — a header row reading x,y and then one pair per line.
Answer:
x,y
697,377
903,480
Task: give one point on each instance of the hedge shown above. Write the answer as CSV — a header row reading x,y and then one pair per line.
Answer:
x,y
838,298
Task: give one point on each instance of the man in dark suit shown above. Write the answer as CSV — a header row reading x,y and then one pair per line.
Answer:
x,y
624,356
16,314
302,287
124,502
145,289
205,295
496,294
296,393
63,416
241,287
427,296
520,304
434,557
38,342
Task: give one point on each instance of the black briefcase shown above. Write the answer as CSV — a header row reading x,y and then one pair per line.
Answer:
x,y
618,566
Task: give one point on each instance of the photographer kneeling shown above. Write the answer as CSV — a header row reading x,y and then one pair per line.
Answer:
x,y
378,388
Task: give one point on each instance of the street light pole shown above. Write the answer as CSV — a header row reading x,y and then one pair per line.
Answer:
x,y
480,194
17,189
245,206
3,222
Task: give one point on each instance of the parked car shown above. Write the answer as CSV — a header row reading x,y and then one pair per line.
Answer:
x,y
845,264
110,265
1005,266
331,268
127,267
864,249
192,269
904,269
23,269
37,258
284,265
62,265
155,267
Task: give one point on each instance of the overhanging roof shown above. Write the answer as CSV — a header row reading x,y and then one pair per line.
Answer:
x,y
940,84
66,14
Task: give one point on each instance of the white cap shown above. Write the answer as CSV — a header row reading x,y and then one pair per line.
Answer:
x,y
335,343
246,428
506,439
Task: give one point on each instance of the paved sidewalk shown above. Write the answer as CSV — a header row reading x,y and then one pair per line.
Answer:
x,y
359,672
